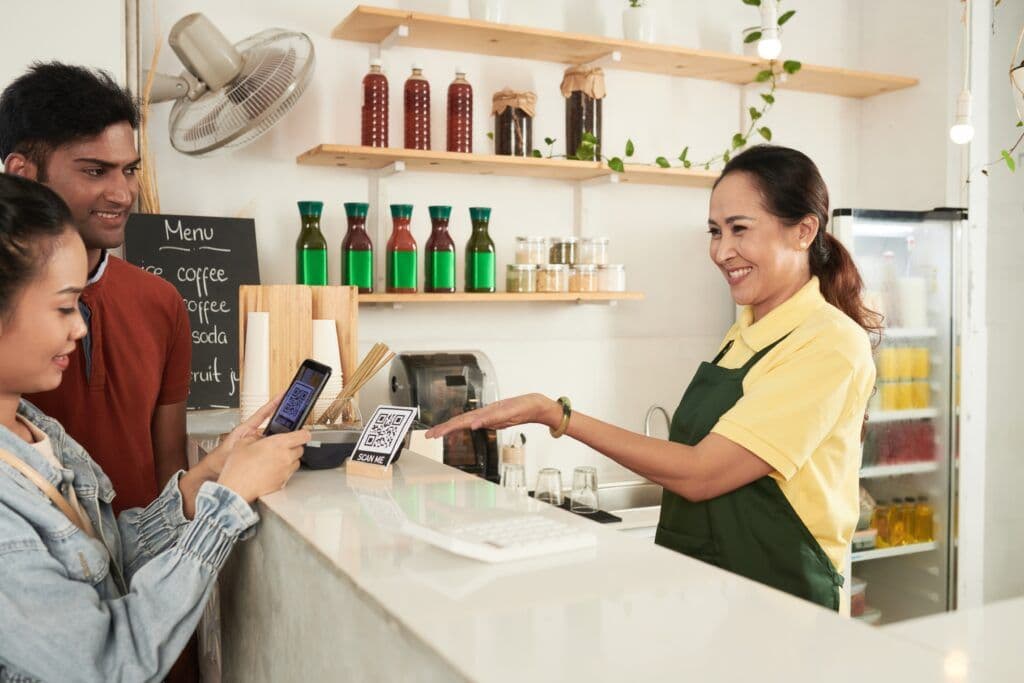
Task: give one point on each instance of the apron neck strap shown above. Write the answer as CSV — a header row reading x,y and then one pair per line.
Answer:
x,y
753,359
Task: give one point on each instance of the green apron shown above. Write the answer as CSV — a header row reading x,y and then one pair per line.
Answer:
x,y
752,531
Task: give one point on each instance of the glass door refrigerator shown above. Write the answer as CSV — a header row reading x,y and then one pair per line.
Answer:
x,y
903,559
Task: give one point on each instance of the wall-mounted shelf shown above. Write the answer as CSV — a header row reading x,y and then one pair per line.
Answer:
x,y
896,551
381,158
500,297
899,415
880,471
384,26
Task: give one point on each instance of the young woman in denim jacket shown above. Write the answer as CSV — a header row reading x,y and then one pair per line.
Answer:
x,y
87,596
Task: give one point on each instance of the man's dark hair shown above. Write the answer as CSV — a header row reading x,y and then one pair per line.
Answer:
x,y
54,104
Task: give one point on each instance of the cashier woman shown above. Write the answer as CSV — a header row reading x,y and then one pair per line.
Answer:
x,y
761,467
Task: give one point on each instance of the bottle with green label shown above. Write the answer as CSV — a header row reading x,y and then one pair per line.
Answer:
x,y
439,253
480,265
401,259
357,250
311,247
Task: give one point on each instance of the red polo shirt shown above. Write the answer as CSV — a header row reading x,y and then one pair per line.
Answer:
x,y
141,351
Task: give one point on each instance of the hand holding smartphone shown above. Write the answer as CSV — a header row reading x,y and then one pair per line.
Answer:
x,y
298,401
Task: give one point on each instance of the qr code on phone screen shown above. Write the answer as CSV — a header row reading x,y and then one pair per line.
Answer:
x,y
384,432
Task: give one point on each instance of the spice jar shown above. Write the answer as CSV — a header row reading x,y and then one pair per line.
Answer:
x,y
513,122
583,89
563,251
532,250
583,278
593,251
611,278
521,278
553,277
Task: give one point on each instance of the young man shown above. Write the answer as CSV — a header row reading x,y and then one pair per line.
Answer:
x,y
123,396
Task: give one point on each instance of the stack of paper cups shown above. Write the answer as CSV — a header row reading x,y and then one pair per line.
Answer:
x,y
256,370
325,350
913,302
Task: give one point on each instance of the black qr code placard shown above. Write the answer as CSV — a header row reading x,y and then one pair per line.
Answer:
x,y
383,434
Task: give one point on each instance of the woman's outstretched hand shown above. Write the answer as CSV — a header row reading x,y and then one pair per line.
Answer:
x,y
510,412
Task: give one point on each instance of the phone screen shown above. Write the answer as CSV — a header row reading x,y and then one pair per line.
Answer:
x,y
305,388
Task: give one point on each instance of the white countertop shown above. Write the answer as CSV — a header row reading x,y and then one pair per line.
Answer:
x,y
625,610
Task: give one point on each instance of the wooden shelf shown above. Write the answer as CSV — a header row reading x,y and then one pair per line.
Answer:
x,y
500,297
374,25
896,551
379,158
880,471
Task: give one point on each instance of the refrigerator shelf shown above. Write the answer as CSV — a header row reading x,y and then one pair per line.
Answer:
x,y
909,333
879,471
896,551
898,415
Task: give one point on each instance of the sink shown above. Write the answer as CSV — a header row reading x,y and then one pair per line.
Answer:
x,y
629,495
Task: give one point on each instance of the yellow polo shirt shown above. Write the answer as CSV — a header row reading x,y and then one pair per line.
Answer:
x,y
803,407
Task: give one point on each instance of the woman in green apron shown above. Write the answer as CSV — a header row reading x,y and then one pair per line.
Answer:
x,y
760,471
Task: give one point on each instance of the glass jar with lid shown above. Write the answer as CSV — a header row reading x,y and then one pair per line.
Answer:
x,y
553,277
564,251
532,250
593,251
611,278
521,278
583,278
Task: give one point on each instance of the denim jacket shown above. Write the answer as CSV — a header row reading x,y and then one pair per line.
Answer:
x,y
120,608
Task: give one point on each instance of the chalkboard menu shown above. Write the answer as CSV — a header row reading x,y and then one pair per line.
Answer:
x,y
206,259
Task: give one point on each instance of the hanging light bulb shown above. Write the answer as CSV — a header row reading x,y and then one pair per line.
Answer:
x,y
962,131
769,47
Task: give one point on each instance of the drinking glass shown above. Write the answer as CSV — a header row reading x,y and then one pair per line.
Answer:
x,y
513,477
583,498
549,486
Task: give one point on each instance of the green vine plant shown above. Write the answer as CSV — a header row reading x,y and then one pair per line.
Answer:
x,y
637,3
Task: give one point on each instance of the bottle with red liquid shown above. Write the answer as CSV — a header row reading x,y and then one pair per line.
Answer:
x,y
460,113
357,250
375,107
402,275
417,110
439,253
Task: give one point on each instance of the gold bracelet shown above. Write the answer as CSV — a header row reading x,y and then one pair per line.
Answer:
x,y
566,414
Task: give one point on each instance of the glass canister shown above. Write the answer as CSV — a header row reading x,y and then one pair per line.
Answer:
x,y
583,278
439,253
311,247
480,253
460,113
593,251
552,278
375,107
611,278
563,251
513,122
401,263
584,91
532,250
521,278
357,250
417,110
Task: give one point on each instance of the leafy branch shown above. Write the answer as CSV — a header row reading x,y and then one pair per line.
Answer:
x,y
1006,155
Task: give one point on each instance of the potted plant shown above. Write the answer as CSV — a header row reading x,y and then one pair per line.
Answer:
x,y
487,10
639,21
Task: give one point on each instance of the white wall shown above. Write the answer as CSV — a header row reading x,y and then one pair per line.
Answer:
x,y
88,33
612,361
1004,515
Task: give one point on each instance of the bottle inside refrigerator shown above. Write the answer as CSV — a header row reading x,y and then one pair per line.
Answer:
x,y
905,562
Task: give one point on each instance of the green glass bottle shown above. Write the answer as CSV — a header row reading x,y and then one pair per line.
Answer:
x,y
439,253
402,275
357,250
311,247
480,261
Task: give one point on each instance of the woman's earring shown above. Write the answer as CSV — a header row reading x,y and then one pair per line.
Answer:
x,y
803,245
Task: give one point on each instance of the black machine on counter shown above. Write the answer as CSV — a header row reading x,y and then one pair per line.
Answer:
x,y
443,385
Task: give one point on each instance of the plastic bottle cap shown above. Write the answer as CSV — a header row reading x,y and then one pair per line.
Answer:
x,y
376,62
417,66
460,71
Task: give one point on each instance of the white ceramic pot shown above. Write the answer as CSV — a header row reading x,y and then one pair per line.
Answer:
x,y
1017,76
638,23
487,10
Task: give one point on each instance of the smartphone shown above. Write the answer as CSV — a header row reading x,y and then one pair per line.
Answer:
x,y
302,393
